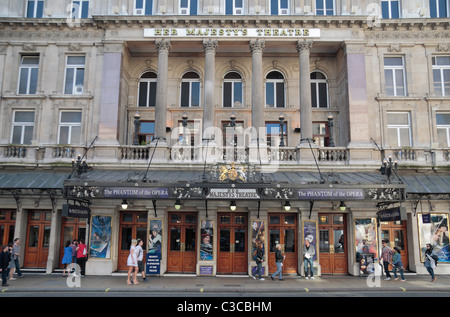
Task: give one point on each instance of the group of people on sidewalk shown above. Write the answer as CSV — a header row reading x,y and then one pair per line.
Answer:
x,y
75,252
9,261
308,256
393,257
135,262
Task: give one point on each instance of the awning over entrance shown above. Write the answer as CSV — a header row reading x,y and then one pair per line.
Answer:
x,y
16,180
233,184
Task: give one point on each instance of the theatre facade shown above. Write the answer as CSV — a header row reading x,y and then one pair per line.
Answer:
x,y
207,134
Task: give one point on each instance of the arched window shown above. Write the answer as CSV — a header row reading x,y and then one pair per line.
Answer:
x,y
275,90
319,90
190,90
147,90
232,90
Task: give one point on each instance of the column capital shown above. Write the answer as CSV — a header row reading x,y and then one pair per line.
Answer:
x,y
210,46
257,46
304,46
163,46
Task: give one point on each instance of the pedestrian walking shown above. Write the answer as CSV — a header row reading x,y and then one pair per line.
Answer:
x,y
308,255
140,257
67,258
386,255
397,264
12,264
279,258
5,258
82,257
132,263
259,259
15,256
430,261
74,246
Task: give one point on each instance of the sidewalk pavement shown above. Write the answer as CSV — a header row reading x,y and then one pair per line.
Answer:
x,y
212,286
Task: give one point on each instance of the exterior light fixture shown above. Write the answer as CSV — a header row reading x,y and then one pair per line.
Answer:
x,y
137,124
388,167
282,124
342,206
233,205
124,204
287,206
330,127
177,204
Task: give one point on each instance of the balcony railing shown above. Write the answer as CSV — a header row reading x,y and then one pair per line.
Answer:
x,y
407,156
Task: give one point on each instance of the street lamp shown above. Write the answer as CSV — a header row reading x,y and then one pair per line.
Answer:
x,y
287,206
330,128
282,124
79,165
233,126
137,123
233,205
124,204
388,167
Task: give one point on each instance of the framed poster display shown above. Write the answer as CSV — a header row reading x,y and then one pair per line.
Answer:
x,y
207,242
366,237
433,229
100,237
153,263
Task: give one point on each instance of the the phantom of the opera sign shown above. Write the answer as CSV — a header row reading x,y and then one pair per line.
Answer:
x,y
232,33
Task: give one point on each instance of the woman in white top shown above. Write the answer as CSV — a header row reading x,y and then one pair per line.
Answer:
x,y
132,263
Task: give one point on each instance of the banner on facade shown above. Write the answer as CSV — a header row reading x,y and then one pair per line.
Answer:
x,y
232,33
133,192
392,214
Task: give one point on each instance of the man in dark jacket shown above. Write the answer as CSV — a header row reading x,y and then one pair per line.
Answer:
x,y
259,259
5,258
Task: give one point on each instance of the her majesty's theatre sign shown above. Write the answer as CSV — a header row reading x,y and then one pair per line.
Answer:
x,y
232,33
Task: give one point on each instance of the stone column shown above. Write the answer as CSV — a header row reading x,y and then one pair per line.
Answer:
x,y
163,46
303,49
209,47
257,47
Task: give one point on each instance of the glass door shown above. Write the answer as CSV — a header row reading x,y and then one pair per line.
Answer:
x,y
283,231
332,243
182,252
38,239
133,225
395,233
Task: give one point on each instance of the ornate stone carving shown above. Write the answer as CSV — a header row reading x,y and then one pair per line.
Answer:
x,y
163,46
257,46
304,45
210,46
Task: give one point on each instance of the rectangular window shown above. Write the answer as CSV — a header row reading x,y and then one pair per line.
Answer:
x,y
143,7
399,129
275,94
324,7
28,75
390,9
23,126
74,75
279,7
443,129
438,8
321,133
35,9
80,9
232,94
394,71
147,94
441,75
69,127
273,132
190,94
146,132
188,7
234,7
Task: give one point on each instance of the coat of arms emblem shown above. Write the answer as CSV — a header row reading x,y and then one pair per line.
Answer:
x,y
232,173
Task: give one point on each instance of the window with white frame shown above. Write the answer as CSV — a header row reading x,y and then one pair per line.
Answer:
x,y
275,94
74,81
399,129
188,7
190,90
69,127
279,7
28,74
234,7
35,9
325,7
143,7
319,90
147,90
232,90
395,78
80,9
390,9
273,132
441,75
443,129
439,8
22,127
